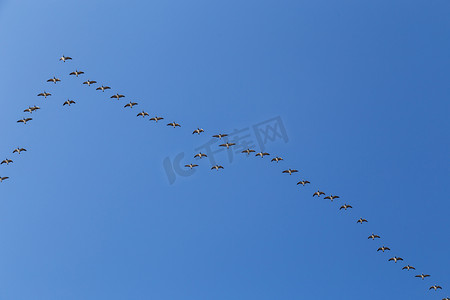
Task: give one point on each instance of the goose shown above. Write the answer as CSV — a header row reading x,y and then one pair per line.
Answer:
x,y
29,109
277,159
198,131
156,119
117,96
103,88
435,287
220,135
262,154
76,73
64,58
408,267
89,82
191,166
35,108
248,151
290,171
423,276
331,197
318,193
6,161
345,206
54,80
227,144
373,236
44,94
142,113
68,102
3,178
303,182
383,249
395,259
200,155
217,167
130,105
24,120
173,124
447,298
361,220
18,150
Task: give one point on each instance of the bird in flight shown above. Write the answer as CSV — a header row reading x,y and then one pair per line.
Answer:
x,y
173,124
200,155
408,267
24,120
64,58
191,166
395,259
435,287
383,249
117,96
331,197
18,150
423,276
54,80
318,193
277,159
303,182
361,220
76,73
30,109
68,102
220,135
198,131
142,113
373,236
103,88
345,206
217,167
290,171
130,105
262,154
89,82
6,161
156,119
227,144
35,108
44,94
3,178
248,151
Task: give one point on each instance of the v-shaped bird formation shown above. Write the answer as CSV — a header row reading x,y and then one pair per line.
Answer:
x,y
228,144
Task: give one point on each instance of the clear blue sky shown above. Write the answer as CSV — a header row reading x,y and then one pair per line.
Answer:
x,y
362,88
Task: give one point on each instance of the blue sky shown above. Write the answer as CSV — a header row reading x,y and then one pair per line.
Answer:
x,y
362,91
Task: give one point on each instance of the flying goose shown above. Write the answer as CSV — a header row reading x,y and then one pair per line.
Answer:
x,y
318,193
29,109
44,94
89,82
331,197
435,287
173,124
68,102
35,108
217,167
3,178
54,80
200,155
345,206
103,88
220,135
383,249
76,73
395,259
277,159
6,161
156,119
248,151
361,220
423,276
198,131
303,182
117,96
227,144
191,166
408,267
130,105
142,113
262,154
290,171
18,150
373,236
64,58
447,298
24,120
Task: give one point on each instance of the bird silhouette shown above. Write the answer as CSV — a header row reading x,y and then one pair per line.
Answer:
x,y
331,197
200,155
435,287
117,96
262,154
395,259
69,102
54,80
103,88
24,120
217,167
142,113
18,150
303,182
383,249
345,206
64,58
423,276
277,159
408,267
289,171
44,94
3,178
220,135
373,236
361,220
248,151
76,73
173,124
191,166
318,193
6,161
198,131
156,119
130,105
227,144
89,82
